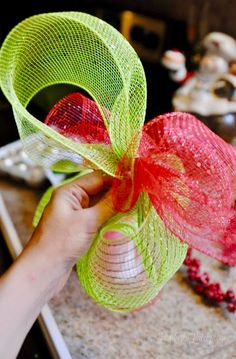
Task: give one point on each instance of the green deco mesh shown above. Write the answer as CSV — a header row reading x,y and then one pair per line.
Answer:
x,y
134,254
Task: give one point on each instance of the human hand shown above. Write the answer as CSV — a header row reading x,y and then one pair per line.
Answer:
x,y
72,219
68,226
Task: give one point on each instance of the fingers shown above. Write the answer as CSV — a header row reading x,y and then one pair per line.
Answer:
x,y
79,192
92,183
101,211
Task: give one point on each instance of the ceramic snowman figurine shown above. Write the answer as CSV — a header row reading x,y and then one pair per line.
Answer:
x,y
174,61
209,93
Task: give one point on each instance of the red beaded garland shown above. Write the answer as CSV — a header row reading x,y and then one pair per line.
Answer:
x,y
200,282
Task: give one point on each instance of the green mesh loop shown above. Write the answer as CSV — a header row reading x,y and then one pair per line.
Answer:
x,y
134,254
130,281
78,49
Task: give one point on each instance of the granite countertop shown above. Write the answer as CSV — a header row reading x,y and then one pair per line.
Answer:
x,y
178,325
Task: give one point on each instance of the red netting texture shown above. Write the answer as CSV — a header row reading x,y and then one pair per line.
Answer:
x,y
187,171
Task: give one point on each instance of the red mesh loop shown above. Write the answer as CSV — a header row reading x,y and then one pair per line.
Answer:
x,y
77,117
194,194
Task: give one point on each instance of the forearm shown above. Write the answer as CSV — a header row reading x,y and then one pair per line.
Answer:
x,y
64,234
24,289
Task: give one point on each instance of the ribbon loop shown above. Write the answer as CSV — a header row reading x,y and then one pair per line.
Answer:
x,y
189,174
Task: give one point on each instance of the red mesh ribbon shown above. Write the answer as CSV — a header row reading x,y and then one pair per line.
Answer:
x,y
77,117
187,171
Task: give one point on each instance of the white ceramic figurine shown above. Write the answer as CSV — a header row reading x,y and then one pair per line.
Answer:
x,y
210,92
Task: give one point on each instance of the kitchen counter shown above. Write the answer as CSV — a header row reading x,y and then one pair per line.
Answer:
x,y
178,325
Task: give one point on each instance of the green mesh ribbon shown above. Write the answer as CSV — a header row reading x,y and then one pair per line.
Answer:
x,y
134,254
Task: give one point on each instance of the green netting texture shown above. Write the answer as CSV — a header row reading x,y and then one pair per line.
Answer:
x,y
134,254
79,49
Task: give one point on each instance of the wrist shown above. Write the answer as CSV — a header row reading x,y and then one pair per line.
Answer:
x,y
25,288
52,245
44,273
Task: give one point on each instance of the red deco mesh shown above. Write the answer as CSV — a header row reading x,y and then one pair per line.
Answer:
x,y
78,118
187,171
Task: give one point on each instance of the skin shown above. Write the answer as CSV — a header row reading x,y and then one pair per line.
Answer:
x,y
70,222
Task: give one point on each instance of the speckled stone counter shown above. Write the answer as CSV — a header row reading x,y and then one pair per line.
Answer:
x,y
177,326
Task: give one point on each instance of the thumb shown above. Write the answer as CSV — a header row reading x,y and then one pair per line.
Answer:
x,y
101,211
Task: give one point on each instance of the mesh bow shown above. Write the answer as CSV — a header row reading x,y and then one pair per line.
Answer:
x,y
174,180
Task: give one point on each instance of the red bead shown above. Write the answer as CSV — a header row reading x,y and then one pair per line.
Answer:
x,y
219,297
231,307
188,257
217,286
189,252
187,261
230,295
199,288
214,286
195,263
192,273
214,293
210,294
203,278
